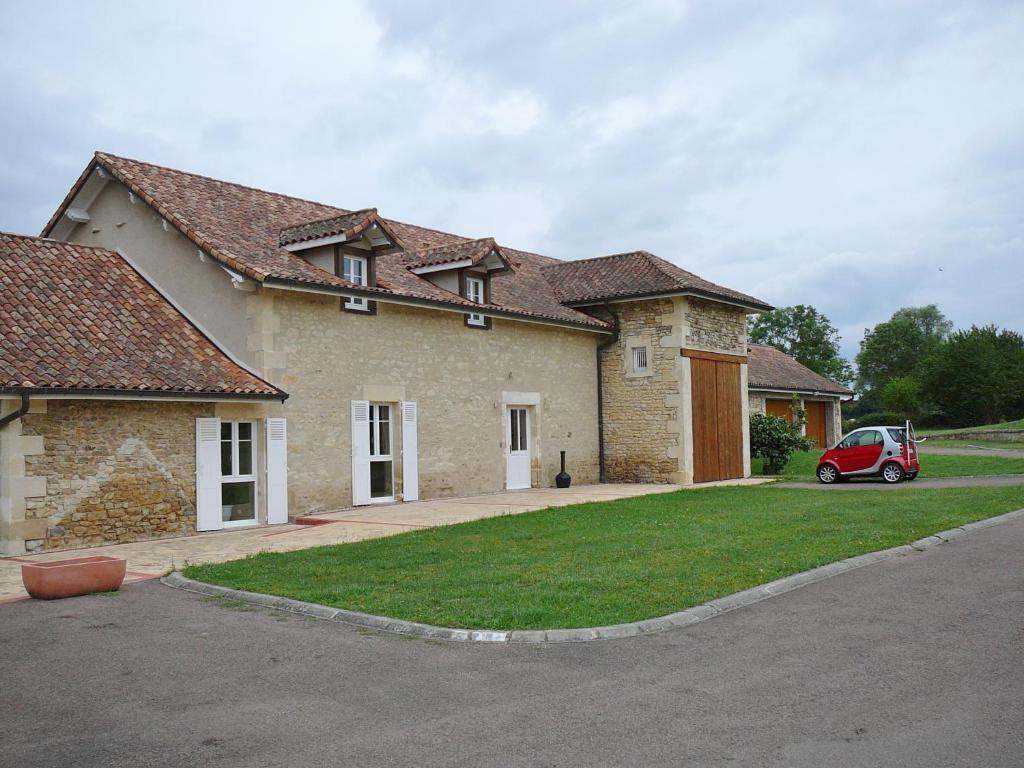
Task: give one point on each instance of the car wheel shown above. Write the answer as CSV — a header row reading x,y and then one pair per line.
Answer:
x,y
892,473
827,474
912,476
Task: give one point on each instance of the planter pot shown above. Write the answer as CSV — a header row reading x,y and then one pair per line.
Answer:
x,y
563,479
74,577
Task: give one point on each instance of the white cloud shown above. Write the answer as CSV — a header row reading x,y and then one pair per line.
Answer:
x,y
822,153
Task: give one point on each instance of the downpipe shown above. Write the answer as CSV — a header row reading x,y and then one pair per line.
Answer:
x,y
4,421
603,474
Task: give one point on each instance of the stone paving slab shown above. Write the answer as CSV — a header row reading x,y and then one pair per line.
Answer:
x,y
158,557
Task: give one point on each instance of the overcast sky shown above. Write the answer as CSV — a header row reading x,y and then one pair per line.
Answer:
x,y
854,156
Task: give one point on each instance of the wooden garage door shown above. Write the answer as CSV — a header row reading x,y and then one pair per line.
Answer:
x,y
779,408
815,421
717,420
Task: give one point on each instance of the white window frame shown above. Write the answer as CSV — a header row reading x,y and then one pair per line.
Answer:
x,y
375,454
633,348
641,362
239,478
356,302
475,293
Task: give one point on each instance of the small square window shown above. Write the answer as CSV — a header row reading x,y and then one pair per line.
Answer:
x,y
640,364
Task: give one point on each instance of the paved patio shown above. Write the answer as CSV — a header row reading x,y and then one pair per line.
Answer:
x,y
149,559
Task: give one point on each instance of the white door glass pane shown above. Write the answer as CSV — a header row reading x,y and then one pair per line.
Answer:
x,y
514,424
381,480
384,412
238,502
522,430
226,448
244,448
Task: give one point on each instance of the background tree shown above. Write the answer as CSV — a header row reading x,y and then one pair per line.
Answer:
x,y
977,377
804,333
898,348
902,395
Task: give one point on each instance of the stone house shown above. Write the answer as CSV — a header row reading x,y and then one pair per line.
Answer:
x,y
107,383
396,362
775,379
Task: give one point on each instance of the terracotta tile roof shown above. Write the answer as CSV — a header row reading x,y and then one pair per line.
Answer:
x,y
473,250
772,368
347,224
244,228
636,273
78,318
241,227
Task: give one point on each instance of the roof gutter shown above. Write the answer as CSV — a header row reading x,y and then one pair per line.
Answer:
x,y
603,474
387,297
21,411
754,306
131,394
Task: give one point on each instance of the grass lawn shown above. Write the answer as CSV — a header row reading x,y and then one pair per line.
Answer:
x,y
606,562
803,465
1018,424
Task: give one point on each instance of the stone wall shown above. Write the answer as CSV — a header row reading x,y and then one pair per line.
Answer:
x,y
714,327
641,413
115,471
461,379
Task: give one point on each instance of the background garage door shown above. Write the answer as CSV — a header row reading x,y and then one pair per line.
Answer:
x,y
815,421
780,408
717,418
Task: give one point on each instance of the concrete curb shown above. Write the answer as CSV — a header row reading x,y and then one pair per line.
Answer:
x,y
685,618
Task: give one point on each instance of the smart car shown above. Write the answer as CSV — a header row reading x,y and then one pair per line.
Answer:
x,y
886,452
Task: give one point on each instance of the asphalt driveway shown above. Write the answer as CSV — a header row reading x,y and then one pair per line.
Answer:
x,y
917,661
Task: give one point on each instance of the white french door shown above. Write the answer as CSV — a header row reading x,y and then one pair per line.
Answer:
x,y
518,441
382,460
238,473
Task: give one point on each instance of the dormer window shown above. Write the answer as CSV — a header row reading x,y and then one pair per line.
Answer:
x,y
355,269
475,293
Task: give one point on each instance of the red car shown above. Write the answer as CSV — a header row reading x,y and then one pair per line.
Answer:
x,y
886,452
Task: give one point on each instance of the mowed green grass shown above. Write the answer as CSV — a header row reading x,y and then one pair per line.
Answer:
x,y
1018,424
607,562
803,465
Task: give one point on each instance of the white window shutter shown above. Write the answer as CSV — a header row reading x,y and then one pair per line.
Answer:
x,y
410,457
277,471
360,452
208,499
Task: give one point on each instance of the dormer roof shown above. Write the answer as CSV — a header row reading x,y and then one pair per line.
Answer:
x,y
483,252
343,227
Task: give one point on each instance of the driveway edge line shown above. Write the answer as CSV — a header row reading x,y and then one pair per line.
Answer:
x,y
684,618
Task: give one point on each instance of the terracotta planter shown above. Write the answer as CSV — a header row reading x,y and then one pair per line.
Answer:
x,y
74,577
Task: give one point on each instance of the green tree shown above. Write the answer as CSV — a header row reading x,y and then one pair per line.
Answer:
x,y
977,377
804,333
897,348
902,395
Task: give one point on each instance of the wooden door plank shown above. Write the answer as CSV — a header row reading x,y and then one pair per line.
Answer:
x,y
730,417
705,432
